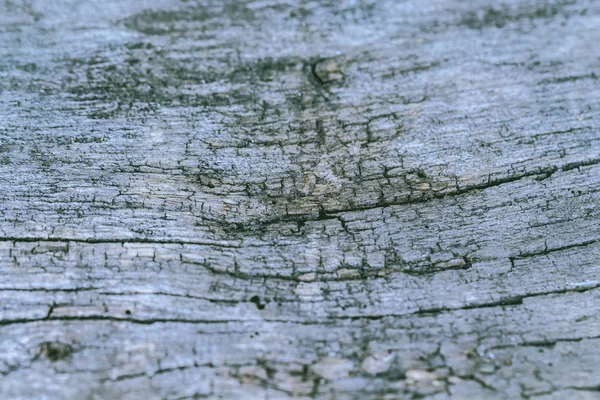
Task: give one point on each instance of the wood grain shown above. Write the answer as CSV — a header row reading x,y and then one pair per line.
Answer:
x,y
271,199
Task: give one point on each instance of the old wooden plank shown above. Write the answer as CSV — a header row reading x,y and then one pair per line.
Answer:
x,y
273,199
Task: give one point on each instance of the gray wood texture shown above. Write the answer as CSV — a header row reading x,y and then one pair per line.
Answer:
x,y
272,199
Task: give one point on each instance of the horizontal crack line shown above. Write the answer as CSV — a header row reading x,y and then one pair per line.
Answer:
x,y
554,250
544,343
543,173
26,239
508,301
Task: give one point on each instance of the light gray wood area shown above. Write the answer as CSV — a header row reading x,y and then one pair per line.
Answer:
x,y
273,199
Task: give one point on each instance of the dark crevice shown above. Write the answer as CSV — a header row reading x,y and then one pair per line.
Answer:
x,y
538,174
547,251
507,302
545,343
116,241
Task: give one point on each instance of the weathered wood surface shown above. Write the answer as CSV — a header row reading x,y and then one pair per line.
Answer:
x,y
309,199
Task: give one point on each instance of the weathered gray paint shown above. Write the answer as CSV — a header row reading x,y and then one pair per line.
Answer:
x,y
309,199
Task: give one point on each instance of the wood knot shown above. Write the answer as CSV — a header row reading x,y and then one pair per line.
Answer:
x,y
55,351
328,71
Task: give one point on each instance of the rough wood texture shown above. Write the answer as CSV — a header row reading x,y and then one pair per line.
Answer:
x,y
311,199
